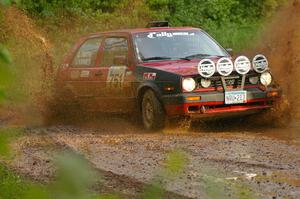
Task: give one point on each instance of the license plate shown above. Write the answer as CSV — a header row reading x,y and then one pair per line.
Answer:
x,y
236,97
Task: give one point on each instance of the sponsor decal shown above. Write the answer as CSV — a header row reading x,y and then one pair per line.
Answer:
x,y
116,76
152,35
149,76
85,73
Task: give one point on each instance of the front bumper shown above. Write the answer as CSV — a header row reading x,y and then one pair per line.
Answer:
x,y
212,104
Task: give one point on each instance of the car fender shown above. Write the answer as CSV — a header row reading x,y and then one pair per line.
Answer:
x,y
155,79
145,86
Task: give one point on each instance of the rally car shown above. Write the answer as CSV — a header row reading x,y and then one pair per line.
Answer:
x,y
164,72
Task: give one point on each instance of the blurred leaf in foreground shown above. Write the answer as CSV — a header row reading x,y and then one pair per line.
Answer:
x,y
35,191
5,137
6,75
4,149
215,187
11,185
5,55
153,191
75,177
175,163
109,196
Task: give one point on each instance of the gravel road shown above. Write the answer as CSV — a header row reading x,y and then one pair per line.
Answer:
x,y
255,163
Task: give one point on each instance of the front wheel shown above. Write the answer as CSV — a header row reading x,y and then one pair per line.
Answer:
x,y
153,114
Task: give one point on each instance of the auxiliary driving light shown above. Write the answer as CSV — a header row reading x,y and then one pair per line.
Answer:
x,y
266,79
206,68
242,65
205,83
224,66
260,63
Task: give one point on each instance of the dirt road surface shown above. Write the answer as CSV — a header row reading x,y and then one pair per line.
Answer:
x,y
252,163
235,161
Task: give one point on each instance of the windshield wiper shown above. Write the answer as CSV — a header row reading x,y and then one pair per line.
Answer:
x,y
156,58
200,55
166,58
185,58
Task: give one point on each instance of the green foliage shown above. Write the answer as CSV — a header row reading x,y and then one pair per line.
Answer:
x,y
175,163
6,135
215,187
4,149
77,7
234,23
4,55
9,2
5,71
35,191
74,178
5,2
174,166
11,185
153,191
238,18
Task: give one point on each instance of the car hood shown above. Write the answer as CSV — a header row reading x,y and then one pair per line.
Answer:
x,y
180,67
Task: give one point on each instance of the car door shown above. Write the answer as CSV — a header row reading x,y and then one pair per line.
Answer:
x,y
117,70
82,75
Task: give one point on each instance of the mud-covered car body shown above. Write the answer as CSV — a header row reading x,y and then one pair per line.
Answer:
x,y
112,71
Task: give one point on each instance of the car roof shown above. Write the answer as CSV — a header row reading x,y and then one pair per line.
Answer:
x,y
141,30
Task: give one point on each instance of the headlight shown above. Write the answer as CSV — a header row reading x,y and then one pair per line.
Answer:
x,y
266,79
189,84
205,83
253,80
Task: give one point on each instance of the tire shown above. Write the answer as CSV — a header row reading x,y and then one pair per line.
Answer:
x,y
153,114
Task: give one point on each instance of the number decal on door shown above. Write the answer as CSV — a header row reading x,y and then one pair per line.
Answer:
x,y
115,77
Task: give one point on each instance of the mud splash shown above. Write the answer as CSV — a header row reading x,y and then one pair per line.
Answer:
x,y
33,65
23,27
281,43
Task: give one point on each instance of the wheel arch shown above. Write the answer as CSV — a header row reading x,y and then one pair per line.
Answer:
x,y
141,91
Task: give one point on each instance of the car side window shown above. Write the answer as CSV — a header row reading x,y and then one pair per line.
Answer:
x,y
87,53
114,46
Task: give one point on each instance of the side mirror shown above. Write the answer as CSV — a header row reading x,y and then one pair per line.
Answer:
x,y
120,60
230,51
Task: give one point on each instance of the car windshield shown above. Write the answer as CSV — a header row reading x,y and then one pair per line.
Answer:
x,y
175,45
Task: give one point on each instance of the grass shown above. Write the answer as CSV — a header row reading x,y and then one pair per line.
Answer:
x,y
11,185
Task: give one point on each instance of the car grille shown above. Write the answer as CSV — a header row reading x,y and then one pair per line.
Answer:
x,y
234,81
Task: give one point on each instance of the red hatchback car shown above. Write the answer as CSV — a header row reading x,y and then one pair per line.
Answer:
x,y
164,72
